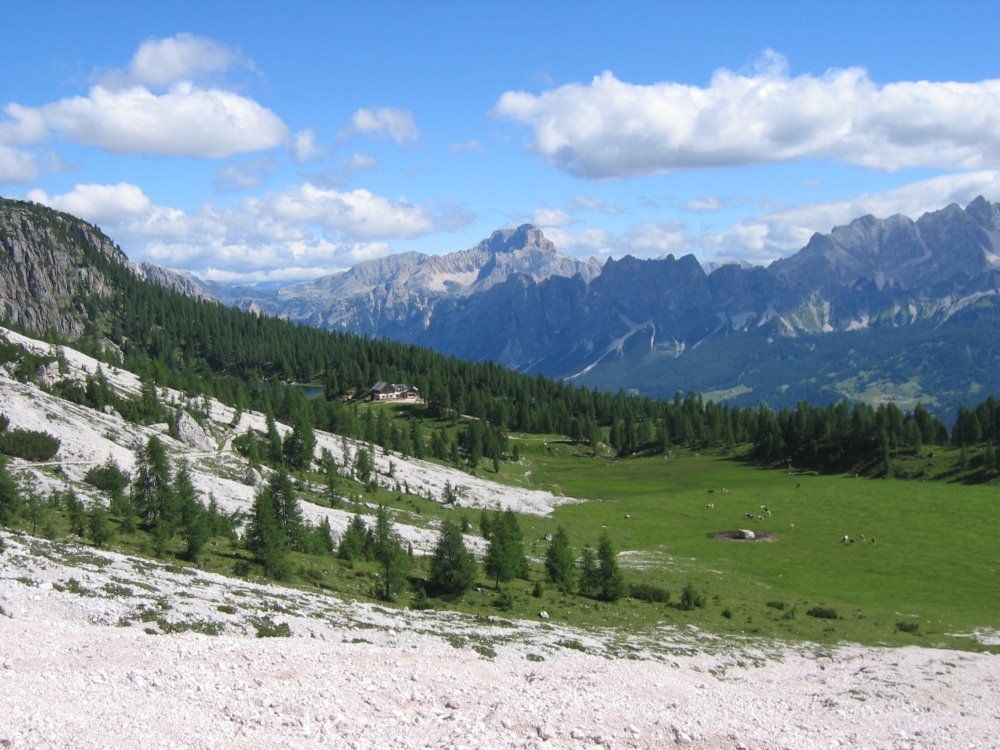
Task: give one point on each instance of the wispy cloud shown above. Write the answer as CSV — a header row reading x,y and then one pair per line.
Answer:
x,y
303,146
384,122
247,176
471,145
550,217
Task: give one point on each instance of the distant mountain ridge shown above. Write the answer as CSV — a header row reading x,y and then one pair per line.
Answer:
x,y
643,324
396,296
879,309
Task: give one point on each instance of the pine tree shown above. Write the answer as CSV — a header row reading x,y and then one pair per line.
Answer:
x,y
100,528
363,466
286,508
505,558
151,490
195,526
265,539
77,514
274,444
611,582
453,568
356,541
390,555
589,579
330,478
560,563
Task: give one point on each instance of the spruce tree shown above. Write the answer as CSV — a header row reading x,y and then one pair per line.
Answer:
x,y
100,527
195,526
265,539
286,508
589,580
151,490
356,541
611,582
77,514
560,563
390,555
453,568
505,558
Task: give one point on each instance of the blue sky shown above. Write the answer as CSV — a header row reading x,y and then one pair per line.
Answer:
x,y
257,141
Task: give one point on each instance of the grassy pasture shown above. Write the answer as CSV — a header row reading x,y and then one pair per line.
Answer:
x,y
935,561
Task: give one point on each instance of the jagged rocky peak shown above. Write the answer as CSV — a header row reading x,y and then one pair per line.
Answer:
x,y
986,214
525,236
897,251
179,282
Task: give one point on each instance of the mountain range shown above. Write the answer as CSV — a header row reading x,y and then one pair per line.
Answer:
x,y
880,309
877,310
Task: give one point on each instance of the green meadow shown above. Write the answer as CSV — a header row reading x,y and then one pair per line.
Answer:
x,y
923,567
929,558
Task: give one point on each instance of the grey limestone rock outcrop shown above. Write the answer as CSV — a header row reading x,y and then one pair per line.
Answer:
x,y
191,433
50,268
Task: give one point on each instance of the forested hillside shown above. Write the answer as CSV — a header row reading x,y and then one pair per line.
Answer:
x,y
244,359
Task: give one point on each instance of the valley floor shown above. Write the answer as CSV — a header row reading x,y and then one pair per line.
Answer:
x,y
100,649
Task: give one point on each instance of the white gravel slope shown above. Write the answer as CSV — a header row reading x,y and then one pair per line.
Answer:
x,y
78,669
89,438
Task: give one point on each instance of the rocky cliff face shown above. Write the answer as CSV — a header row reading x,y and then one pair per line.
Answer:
x,y
172,280
47,268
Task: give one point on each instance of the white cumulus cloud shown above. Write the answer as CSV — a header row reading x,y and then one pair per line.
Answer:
x,y
614,129
357,213
183,57
98,204
185,121
16,166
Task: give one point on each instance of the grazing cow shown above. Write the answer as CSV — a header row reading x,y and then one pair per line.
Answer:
x,y
710,506
725,491
845,539
748,516
862,537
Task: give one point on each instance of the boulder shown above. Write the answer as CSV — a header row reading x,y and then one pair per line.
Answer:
x,y
745,534
47,375
190,433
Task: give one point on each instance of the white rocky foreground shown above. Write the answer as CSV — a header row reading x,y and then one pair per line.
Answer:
x,y
102,650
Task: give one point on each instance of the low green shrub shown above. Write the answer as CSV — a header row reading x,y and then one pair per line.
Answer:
x,y
823,613
648,593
